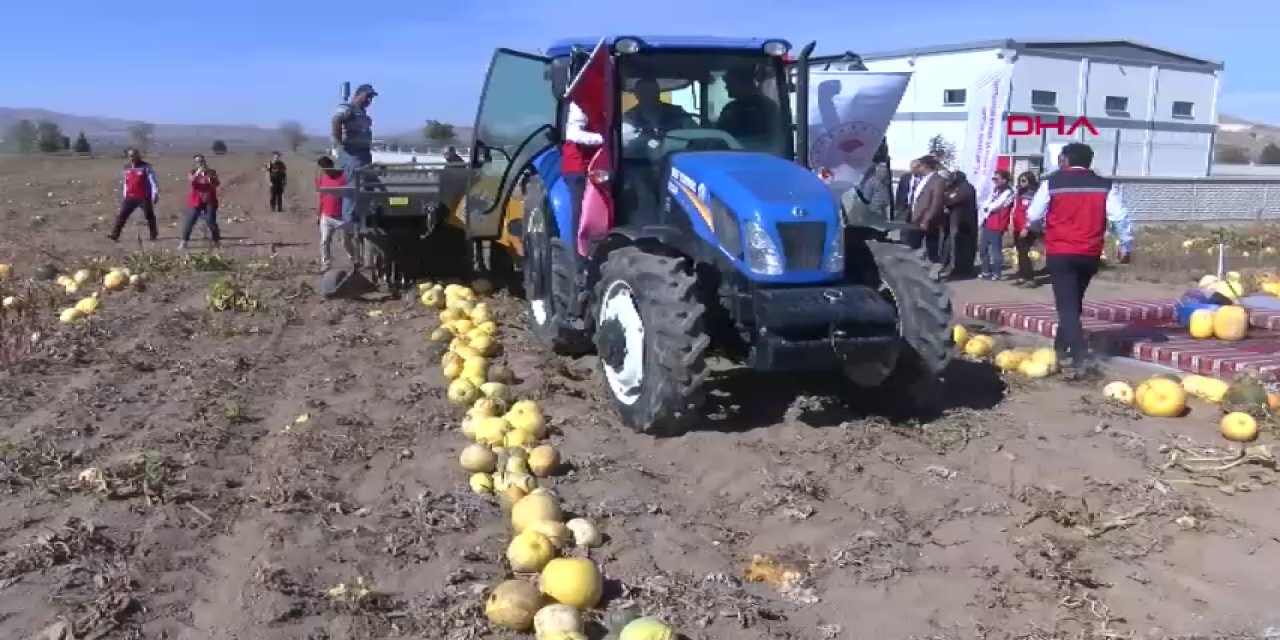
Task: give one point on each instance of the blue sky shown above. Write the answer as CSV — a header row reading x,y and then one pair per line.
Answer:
x,y
260,62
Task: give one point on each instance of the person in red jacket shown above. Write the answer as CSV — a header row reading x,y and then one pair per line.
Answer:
x,y
994,216
140,189
1074,205
202,200
1024,239
330,214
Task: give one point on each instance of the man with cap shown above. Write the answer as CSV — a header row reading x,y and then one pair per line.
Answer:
x,y
352,131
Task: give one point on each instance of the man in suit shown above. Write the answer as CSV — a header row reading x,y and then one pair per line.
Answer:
x,y
927,201
902,199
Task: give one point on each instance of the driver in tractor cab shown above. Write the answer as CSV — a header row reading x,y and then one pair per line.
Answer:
x,y
750,114
651,113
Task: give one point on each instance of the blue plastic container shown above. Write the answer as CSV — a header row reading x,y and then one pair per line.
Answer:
x,y
1183,311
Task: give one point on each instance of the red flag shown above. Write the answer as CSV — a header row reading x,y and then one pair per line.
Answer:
x,y
591,90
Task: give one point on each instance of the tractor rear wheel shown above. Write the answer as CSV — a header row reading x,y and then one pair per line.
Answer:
x,y
923,302
651,340
549,276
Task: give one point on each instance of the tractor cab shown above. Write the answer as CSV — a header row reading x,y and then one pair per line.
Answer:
x,y
679,101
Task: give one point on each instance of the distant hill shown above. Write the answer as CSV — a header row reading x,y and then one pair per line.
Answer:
x,y
114,132
1237,136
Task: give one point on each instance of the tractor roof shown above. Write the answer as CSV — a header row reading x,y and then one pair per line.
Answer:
x,y
563,47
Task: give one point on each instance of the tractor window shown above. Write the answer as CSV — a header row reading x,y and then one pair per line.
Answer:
x,y
703,100
516,102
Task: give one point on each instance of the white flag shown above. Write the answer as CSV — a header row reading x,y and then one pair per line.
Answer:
x,y
987,105
849,112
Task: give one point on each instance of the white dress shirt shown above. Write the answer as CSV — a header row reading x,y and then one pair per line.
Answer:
x,y
575,128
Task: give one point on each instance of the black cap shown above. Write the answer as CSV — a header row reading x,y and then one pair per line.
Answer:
x,y
366,88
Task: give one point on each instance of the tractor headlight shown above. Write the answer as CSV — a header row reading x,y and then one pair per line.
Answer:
x,y
776,48
626,46
834,262
763,256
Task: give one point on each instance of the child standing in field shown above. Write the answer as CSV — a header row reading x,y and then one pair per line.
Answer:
x,y
331,214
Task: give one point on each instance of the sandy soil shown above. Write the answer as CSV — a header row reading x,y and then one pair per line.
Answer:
x,y
1029,511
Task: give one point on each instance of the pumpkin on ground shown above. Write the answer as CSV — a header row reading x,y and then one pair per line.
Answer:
x,y
513,605
1238,427
1245,396
1206,388
1009,359
979,346
1161,398
1230,322
1119,392
573,581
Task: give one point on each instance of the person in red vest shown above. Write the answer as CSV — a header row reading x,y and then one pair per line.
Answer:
x,y
202,200
140,189
1074,205
580,144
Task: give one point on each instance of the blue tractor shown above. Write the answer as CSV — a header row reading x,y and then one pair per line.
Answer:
x,y
724,241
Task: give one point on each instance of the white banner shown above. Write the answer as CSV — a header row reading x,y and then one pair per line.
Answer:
x,y
849,112
987,102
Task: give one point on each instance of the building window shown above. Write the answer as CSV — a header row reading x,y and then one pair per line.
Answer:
x,y
1044,99
954,97
1184,109
1117,105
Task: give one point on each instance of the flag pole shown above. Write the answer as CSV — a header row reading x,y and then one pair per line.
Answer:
x,y
574,83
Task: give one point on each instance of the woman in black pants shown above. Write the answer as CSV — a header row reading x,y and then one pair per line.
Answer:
x,y
1024,238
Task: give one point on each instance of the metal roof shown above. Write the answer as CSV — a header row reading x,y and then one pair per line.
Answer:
x,y
1121,51
563,47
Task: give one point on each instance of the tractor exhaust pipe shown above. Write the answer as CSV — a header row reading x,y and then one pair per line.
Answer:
x,y
345,91
802,105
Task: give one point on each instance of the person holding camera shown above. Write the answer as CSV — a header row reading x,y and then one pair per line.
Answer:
x,y
202,201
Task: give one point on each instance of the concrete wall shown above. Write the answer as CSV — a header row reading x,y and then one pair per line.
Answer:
x,y
1212,200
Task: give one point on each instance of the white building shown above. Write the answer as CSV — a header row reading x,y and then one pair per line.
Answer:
x,y
1155,110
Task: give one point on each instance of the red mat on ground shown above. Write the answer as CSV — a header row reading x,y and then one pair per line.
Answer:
x,y
1146,330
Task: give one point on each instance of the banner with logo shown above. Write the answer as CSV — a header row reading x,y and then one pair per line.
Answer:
x,y
987,105
849,112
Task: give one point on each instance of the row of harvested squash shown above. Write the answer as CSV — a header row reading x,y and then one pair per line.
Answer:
x,y
1032,363
509,457
1228,322
117,279
1165,396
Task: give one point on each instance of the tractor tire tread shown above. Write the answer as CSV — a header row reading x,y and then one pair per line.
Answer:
x,y
925,313
676,342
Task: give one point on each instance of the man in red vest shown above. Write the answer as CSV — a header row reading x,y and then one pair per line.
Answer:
x,y
1074,205
140,189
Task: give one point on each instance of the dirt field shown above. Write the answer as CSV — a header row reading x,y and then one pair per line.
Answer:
x,y
1029,511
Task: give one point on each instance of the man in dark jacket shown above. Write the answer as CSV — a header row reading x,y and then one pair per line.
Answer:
x,y
276,176
140,189
902,199
1074,206
961,208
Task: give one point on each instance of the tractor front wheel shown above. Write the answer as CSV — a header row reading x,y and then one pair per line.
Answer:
x,y
650,337
911,283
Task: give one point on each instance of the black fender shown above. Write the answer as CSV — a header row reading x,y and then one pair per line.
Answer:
x,y
673,239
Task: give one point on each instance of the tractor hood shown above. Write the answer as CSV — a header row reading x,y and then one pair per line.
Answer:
x,y
789,221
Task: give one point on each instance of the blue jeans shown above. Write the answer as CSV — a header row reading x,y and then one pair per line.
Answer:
x,y
990,250
350,159
210,214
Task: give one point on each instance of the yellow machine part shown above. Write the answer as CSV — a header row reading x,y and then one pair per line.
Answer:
x,y
514,212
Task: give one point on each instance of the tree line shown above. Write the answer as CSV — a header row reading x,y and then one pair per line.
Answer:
x,y
1230,154
46,136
